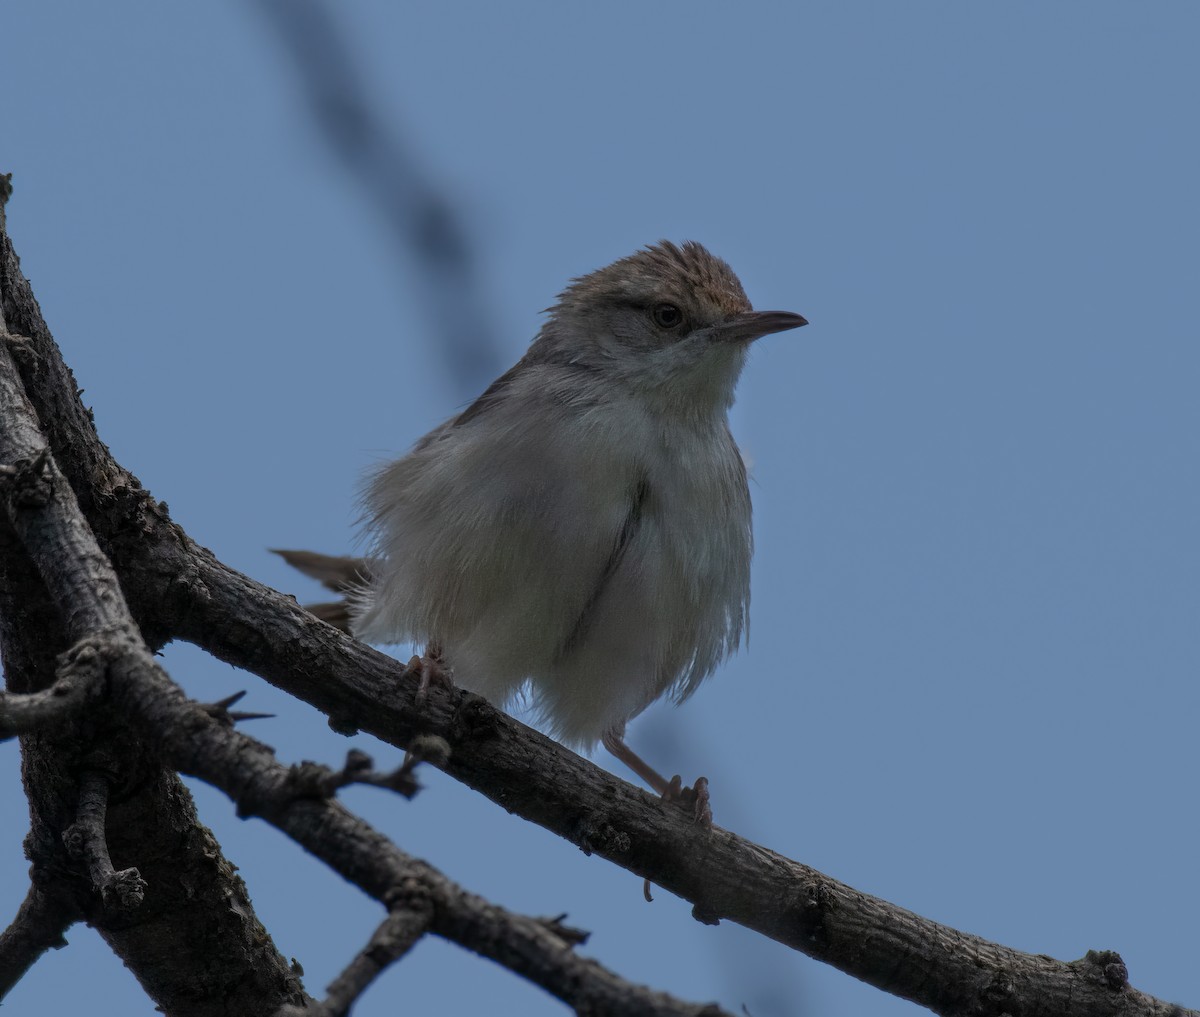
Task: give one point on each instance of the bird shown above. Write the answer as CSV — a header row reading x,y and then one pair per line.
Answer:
x,y
581,532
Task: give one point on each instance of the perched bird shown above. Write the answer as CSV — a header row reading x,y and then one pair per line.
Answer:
x,y
583,528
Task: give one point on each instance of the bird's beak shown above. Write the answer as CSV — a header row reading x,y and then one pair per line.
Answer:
x,y
750,325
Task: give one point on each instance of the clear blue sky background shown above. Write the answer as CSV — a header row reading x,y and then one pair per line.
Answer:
x,y
972,685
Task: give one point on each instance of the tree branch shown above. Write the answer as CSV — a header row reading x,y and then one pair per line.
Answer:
x,y
121,892
397,935
64,699
220,959
721,874
40,924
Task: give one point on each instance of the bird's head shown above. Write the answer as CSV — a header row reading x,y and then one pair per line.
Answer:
x,y
671,321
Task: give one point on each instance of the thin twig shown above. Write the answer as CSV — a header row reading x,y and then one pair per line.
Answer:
x,y
397,934
121,892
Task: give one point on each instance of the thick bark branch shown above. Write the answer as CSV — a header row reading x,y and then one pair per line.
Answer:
x,y
723,875
194,943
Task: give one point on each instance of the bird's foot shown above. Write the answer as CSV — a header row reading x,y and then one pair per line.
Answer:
x,y
696,798
430,669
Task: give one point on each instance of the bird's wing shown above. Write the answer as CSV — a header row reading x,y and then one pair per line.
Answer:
x,y
499,528
639,494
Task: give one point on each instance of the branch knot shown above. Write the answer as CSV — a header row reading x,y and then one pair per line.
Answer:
x,y
30,481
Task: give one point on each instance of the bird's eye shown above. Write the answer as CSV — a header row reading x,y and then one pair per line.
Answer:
x,y
667,315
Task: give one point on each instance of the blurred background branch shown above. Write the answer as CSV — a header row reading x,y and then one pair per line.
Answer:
x,y
431,238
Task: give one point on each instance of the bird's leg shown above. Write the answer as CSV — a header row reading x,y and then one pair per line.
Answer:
x,y
616,745
671,790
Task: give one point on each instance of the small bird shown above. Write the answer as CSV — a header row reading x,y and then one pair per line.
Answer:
x,y
582,529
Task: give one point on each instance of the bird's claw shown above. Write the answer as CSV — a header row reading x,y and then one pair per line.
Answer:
x,y
430,669
696,797
701,804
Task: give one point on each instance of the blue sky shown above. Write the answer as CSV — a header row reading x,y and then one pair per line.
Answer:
x,y
971,687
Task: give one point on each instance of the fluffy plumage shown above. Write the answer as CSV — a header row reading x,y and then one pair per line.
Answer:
x,y
584,526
